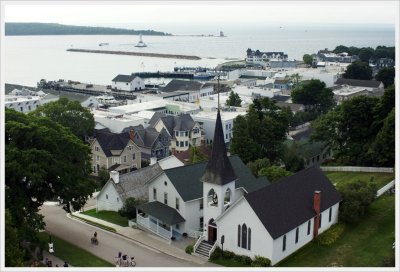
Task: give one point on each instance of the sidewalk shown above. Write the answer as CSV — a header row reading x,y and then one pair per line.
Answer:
x,y
149,240
55,260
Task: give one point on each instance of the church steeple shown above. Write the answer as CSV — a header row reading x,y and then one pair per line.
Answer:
x,y
219,169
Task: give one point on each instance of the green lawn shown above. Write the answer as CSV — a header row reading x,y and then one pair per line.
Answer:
x,y
72,254
364,244
109,216
340,178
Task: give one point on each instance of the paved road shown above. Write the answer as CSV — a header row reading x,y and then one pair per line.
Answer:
x,y
110,244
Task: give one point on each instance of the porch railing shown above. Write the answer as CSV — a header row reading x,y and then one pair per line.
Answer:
x,y
154,227
201,238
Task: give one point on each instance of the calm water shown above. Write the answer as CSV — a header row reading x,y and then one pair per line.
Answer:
x,y
30,58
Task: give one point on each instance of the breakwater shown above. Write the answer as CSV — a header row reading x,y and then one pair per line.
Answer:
x,y
141,54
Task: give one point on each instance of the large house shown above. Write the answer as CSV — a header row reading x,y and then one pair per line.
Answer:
x,y
128,83
187,90
221,198
114,151
256,56
152,144
184,132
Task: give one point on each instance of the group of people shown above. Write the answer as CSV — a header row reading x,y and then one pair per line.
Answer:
x,y
122,259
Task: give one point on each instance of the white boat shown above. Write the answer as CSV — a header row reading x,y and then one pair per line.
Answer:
x,y
140,43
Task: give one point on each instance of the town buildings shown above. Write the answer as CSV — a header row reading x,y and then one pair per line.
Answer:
x,y
127,83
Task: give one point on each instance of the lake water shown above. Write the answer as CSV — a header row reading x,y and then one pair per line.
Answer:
x,y
27,59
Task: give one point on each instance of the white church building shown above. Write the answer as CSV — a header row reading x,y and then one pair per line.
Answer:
x,y
221,198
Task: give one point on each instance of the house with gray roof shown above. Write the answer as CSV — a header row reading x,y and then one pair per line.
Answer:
x,y
127,83
152,144
114,151
120,187
192,90
184,132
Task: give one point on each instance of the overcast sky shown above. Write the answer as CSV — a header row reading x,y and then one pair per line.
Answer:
x,y
142,14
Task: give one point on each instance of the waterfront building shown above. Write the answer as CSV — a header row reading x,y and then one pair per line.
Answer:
x,y
127,83
27,101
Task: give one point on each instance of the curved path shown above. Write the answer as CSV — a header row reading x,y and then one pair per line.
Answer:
x,y
110,244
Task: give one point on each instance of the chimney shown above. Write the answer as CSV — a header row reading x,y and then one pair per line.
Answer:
x,y
115,176
173,151
317,209
153,160
132,134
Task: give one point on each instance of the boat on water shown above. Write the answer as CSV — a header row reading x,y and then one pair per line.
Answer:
x,y
102,44
140,43
221,34
109,101
203,75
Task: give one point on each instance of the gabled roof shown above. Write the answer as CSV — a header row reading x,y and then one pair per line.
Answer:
x,y
111,141
358,82
182,85
134,184
161,211
182,122
156,116
288,203
124,78
219,169
146,136
186,179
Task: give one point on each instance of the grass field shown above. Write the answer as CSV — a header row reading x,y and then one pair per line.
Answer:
x,y
109,216
72,254
340,178
364,244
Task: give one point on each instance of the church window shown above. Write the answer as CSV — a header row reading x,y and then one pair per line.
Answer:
x,y
239,233
244,236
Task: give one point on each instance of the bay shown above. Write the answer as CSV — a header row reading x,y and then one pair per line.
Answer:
x,y
28,59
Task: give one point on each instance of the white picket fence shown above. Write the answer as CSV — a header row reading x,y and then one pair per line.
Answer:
x,y
384,189
357,169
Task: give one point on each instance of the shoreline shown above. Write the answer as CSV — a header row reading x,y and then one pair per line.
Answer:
x,y
141,54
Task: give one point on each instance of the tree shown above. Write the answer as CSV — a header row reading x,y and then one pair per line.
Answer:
x,y
43,160
366,53
308,59
293,162
314,96
356,197
295,78
69,114
233,100
128,210
196,155
103,176
358,70
261,132
340,49
352,128
382,149
386,75
257,165
274,173
14,254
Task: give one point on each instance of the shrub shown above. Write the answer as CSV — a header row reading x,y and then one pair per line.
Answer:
x,y
216,254
189,249
260,261
246,260
331,235
228,254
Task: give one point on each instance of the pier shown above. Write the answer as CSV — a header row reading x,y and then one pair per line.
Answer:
x,y
140,54
85,88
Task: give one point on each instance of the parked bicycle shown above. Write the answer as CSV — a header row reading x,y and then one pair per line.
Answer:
x,y
123,261
94,241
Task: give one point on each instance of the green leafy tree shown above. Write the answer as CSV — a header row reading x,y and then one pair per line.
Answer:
x,y
257,165
356,198
103,176
261,132
382,149
233,100
358,70
274,173
128,210
386,75
314,96
340,49
196,155
307,59
14,254
366,53
293,162
295,79
69,114
351,129
43,160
